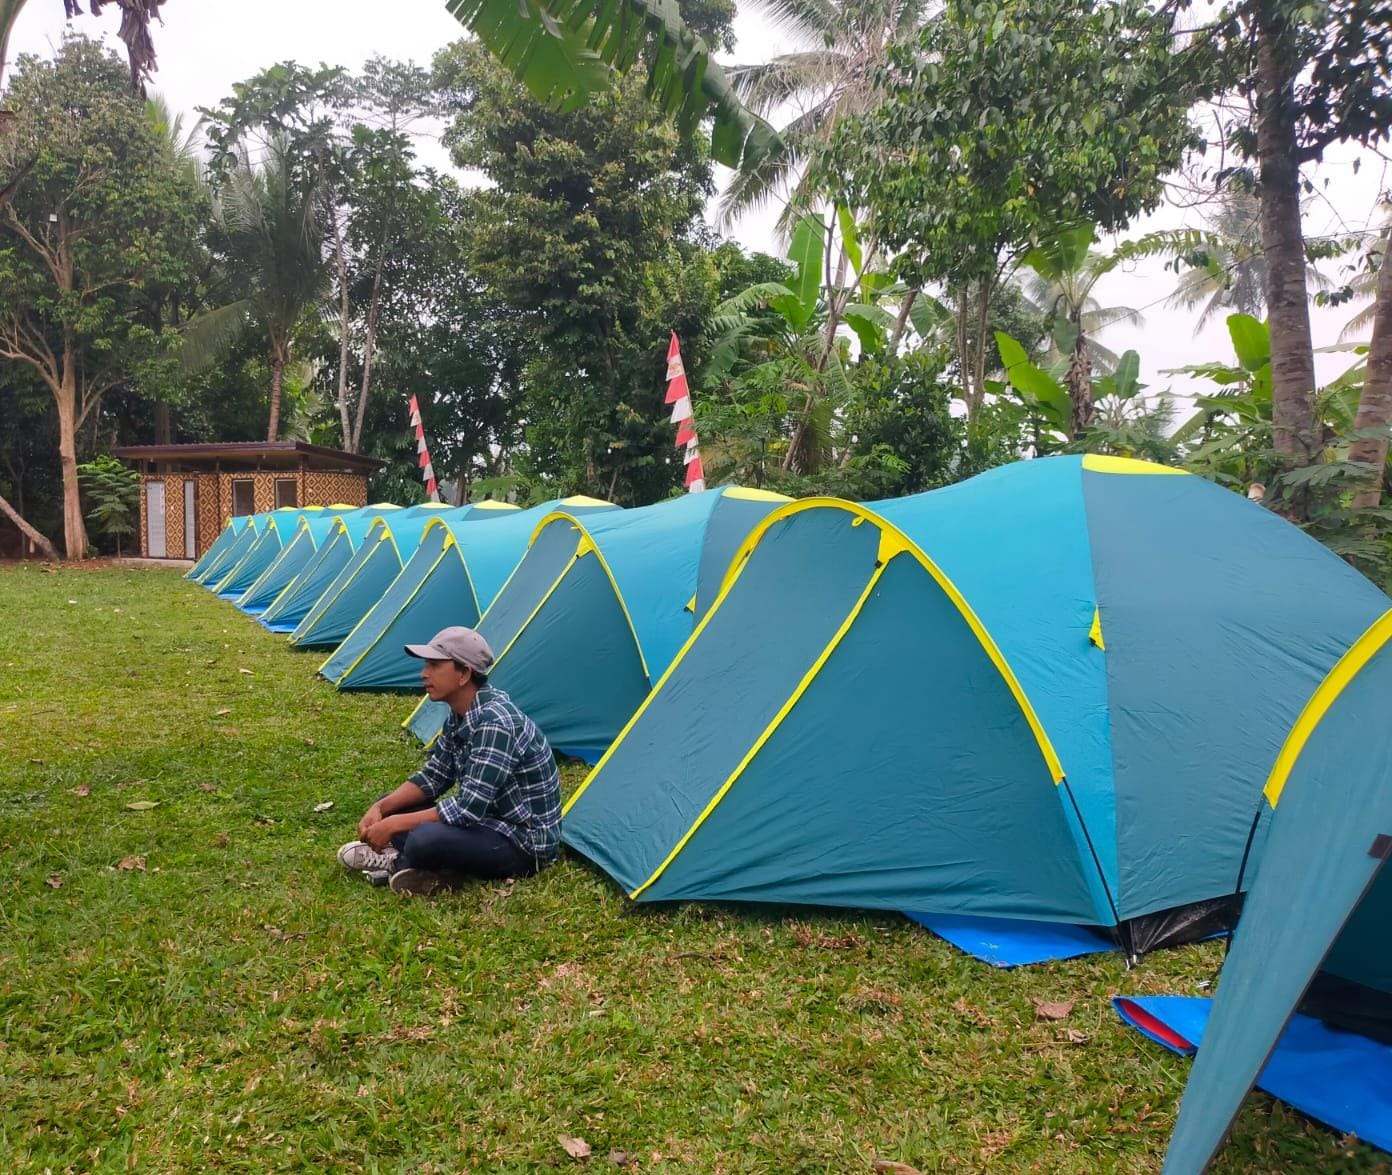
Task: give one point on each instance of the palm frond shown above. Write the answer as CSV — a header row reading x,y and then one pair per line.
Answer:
x,y
565,50
207,336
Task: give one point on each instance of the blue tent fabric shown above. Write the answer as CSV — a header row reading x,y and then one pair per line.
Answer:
x,y
311,530
1014,942
1340,1078
1322,896
346,533
219,546
632,576
390,542
454,574
233,554
274,531
1006,642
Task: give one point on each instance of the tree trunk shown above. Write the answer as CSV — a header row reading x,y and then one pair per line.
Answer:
x,y
370,342
1283,245
905,309
48,549
74,528
1375,402
964,363
341,263
1079,382
164,432
277,384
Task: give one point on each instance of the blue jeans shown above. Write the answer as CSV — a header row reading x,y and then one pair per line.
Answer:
x,y
456,850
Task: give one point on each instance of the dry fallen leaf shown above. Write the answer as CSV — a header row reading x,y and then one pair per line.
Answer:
x,y
309,742
142,805
54,881
1050,1010
248,672
220,713
131,863
324,807
1073,1036
621,1158
576,1148
222,840
890,1167
208,786
82,790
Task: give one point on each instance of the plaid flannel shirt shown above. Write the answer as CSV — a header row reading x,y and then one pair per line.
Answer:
x,y
505,771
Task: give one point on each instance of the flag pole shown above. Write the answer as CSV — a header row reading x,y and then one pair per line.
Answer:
x,y
679,396
423,454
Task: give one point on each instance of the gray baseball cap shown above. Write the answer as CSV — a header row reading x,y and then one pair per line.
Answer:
x,y
456,643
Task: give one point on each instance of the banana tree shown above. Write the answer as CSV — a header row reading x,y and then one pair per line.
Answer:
x,y
783,346
1120,418
565,50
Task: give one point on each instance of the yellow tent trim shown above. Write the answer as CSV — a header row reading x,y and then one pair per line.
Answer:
x,y
582,500
1095,632
752,495
901,541
1100,463
1354,660
490,504
776,721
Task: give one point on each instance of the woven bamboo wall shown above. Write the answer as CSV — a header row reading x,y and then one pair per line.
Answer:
x,y
323,488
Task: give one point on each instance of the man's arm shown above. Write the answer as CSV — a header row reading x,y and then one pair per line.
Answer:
x,y
392,820
407,796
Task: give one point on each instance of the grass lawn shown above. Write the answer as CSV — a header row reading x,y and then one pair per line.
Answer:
x,y
197,985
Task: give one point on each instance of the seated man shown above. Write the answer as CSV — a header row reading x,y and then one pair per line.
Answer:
x,y
505,819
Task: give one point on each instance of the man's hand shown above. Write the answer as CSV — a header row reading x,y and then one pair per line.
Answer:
x,y
379,835
373,816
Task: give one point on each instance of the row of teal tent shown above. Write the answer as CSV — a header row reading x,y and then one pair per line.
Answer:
x,y
1054,692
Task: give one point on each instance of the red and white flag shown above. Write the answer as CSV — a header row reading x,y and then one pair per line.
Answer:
x,y
679,396
423,454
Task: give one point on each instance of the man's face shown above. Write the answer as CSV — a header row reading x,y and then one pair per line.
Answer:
x,y
442,678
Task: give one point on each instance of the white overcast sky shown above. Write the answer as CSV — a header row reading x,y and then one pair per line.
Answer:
x,y
205,47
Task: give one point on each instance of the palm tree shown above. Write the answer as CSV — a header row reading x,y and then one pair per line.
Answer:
x,y
1365,285
1232,277
270,225
831,76
1066,270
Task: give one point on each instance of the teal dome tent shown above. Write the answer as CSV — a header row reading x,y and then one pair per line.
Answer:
x,y
346,533
451,579
1045,693
599,606
278,527
313,528
217,569
390,541
1304,1001
226,539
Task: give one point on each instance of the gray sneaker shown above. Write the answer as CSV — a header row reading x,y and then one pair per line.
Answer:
x,y
417,881
361,857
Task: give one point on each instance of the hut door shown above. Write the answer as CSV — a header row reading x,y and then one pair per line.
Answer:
x,y
190,538
154,520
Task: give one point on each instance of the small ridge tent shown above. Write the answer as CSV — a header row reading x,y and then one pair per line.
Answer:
x,y
215,571
278,530
390,542
234,527
599,605
313,528
451,579
1317,925
1044,693
346,533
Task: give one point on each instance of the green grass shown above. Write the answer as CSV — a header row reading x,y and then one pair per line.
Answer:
x,y
241,1004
